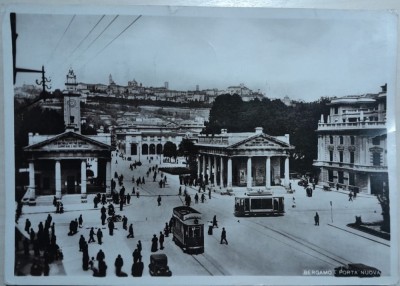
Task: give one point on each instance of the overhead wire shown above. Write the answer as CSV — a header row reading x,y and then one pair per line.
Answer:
x,y
61,38
133,22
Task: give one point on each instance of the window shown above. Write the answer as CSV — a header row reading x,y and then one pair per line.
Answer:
x,y
341,156
376,140
331,156
330,176
352,179
352,140
351,157
341,140
336,109
376,159
340,177
133,149
331,139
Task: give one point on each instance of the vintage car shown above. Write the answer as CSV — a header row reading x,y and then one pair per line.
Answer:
x,y
159,265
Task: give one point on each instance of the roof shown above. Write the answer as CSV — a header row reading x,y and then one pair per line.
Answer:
x,y
65,135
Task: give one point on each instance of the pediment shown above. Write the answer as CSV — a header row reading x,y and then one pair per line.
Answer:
x,y
68,141
260,141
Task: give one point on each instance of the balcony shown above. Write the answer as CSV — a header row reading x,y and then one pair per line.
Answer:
x,y
350,166
213,140
352,125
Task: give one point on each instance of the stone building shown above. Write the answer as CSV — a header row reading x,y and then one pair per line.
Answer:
x,y
250,159
352,144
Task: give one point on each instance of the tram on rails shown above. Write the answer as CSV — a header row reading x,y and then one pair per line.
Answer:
x,y
188,230
259,203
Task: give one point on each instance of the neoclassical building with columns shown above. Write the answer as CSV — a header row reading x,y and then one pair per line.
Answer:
x,y
246,159
68,163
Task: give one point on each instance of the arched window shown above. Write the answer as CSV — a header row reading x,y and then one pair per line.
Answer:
x,y
159,148
152,149
145,149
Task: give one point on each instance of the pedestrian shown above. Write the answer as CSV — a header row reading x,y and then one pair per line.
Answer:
x,y
91,236
161,240
136,256
166,230
124,222
203,198
119,262
81,242
316,219
103,218
130,235
111,227
95,201
209,194
103,199
27,225
294,203
121,204
102,272
350,196
196,198
215,223
137,194
32,235
128,198
159,200
55,201
99,236
80,220
100,255
223,236
154,242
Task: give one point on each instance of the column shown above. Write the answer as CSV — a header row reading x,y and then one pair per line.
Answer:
x,y
128,150
203,169
249,175
83,181
58,179
215,171
198,167
221,172
209,167
32,188
287,172
268,172
108,178
229,183
368,184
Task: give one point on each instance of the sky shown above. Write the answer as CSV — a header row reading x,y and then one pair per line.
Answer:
x,y
303,54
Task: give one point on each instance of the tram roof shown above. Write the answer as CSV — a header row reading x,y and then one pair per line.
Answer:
x,y
186,213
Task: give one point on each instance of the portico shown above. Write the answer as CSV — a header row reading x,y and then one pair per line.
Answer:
x,y
244,159
59,165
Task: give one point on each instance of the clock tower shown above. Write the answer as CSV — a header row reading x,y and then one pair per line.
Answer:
x,y
72,104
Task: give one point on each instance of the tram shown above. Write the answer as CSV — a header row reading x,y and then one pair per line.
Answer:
x,y
259,203
188,230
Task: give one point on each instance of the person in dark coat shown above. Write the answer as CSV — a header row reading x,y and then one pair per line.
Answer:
x,y
119,262
166,230
27,225
125,222
80,220
161,240
139,248
137,269
103,199
32,235
102,271
159,200
95,202
100,255
154,242
130,235
55,201
215,223
121,204
128,198
136,256
203,198
81,242
103,218
223,236
91,236
316,219
111,227
99,236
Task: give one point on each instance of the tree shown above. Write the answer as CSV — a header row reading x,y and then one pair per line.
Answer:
x,y
170,150
189,151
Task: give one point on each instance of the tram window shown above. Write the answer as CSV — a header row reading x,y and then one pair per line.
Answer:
x,y
197,232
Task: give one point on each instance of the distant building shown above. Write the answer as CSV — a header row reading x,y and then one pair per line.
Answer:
x,y
352,144
251,159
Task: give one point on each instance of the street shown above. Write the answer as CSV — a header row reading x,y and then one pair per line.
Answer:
x,y
288,245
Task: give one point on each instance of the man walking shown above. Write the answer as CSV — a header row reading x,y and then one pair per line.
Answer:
x,y
316,218
223,236
99,236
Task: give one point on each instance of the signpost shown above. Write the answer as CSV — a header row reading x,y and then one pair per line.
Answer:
x,y
331,212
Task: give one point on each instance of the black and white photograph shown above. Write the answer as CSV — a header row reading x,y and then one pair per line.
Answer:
x,y
151,145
